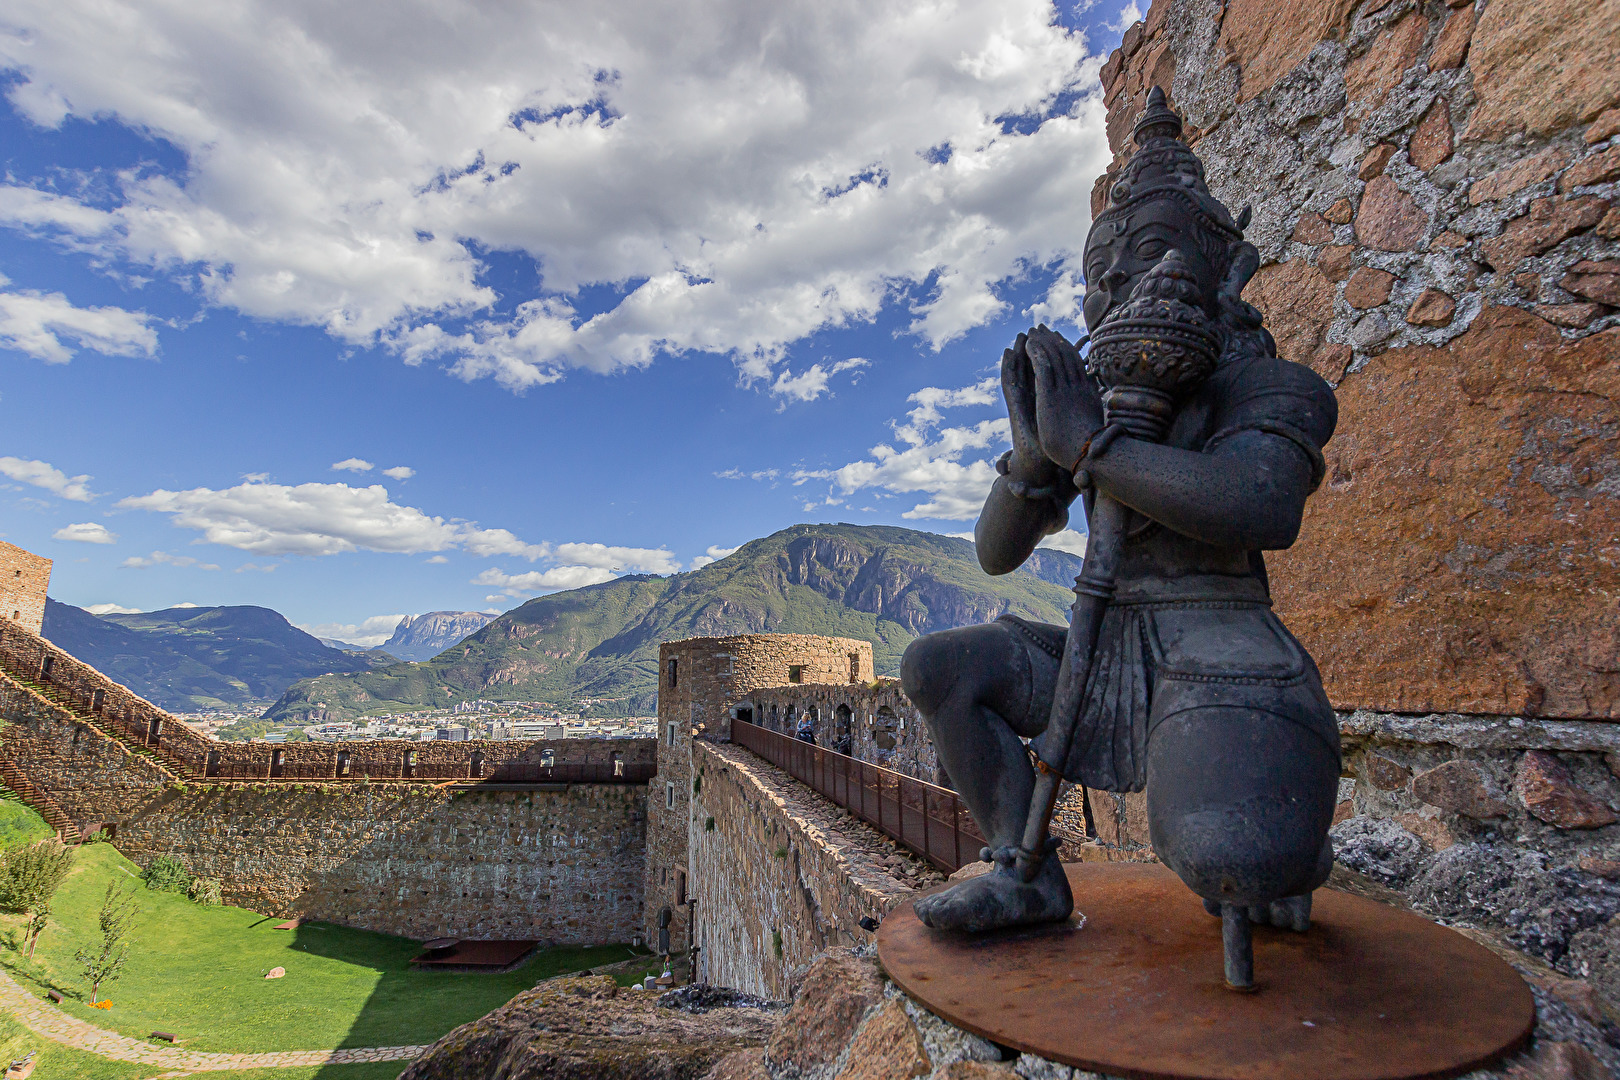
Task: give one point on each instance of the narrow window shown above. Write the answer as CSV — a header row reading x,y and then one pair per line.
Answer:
x,y
278,762
795,673
854,667
673,665
680,886
618,764
45,666
476,768
98,700
410,764
669,796
670,735
211,764
343,763
548,758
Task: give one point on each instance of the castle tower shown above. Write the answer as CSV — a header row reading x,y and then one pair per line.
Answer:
x,y
24,577
701,681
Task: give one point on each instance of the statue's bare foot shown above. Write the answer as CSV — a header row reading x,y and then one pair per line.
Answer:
x,y
1291,912
1000,899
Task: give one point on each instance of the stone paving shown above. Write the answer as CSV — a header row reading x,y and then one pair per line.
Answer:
x,y
46,1019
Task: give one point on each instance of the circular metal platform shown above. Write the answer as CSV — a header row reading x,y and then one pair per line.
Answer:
x,y
1370,992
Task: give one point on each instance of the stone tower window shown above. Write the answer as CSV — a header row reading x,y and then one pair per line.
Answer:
x,y
795,673
278,760
670,734
343,763
669,796
854,667
475,768
673,671
211,764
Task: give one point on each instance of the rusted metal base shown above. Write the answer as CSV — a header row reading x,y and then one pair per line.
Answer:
x,y
1368,993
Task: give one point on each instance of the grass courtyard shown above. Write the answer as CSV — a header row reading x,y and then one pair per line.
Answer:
x,y
199,972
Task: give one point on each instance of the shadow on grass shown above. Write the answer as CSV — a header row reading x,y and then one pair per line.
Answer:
x,y
413,1006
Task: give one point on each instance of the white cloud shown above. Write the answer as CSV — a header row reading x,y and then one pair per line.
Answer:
x,y
86,532
748,174
44,475
42,325
187,604
112,609
353,464
713,555
605,557
534,581
367,632
321,519
438,559
812,382
400,472
929,461
163,558
738,474
1067,540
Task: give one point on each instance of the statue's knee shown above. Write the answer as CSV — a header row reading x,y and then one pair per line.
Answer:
x,y
928,671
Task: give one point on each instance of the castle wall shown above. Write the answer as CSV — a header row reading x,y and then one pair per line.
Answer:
x,y
781,873
24,579
872,721
1433,188
711,676
555,862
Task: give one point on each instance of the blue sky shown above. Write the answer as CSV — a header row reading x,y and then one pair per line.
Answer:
x,y
570,293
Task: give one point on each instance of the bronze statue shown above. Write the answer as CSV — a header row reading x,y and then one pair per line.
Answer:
x,y
1195,448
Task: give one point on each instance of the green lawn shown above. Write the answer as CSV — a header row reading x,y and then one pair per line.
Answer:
x,y
198,972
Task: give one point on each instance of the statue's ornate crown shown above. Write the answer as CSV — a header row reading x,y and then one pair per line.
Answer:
x,y
1164,165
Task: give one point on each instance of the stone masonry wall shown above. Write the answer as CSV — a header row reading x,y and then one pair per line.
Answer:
x,y
873,721
1434,194
561,863
1434,188
24,579
710,677
780,873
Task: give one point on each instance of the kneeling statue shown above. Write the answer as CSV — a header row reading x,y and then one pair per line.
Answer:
x,y
1194,448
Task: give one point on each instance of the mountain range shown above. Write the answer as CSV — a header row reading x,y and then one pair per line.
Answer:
x,y
199,658
882,584
422,637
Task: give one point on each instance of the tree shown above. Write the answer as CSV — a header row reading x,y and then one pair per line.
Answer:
x,y
118,911
29,877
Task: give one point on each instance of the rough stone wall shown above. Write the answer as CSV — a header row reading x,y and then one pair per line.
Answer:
x,y
1433,188
711,677
24,579
881,725
187,753
561,862
780,873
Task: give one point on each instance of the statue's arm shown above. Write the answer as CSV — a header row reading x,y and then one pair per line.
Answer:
x,y
1009,527
1248,493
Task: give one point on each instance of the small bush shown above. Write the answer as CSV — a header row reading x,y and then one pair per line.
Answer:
x,y
97,837
206,891
781,852
166,874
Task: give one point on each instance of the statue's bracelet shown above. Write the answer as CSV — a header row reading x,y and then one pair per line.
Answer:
x,y
1092,450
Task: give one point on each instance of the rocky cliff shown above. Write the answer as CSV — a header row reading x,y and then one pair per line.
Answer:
x,y
422,637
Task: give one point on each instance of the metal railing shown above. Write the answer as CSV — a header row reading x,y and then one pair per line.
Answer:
x,y
924,817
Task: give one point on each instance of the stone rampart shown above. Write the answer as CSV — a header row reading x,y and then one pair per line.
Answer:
x,y
779,873
872,721
702,682
24,580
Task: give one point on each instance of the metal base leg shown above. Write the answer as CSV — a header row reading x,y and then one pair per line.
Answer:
x,y
1237,940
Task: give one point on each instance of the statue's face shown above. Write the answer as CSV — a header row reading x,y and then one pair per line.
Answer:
x,y
1119,252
